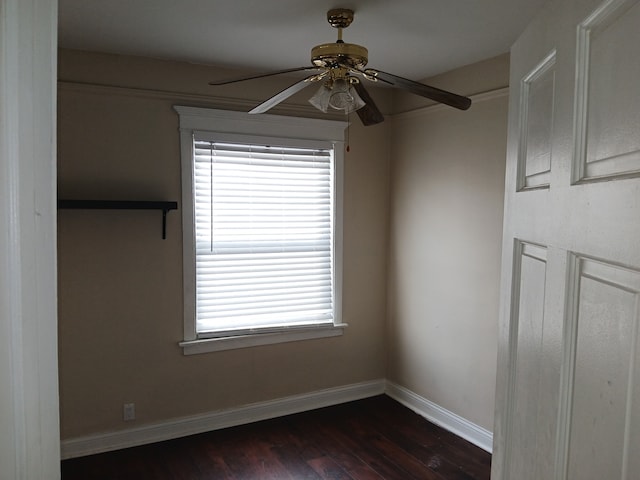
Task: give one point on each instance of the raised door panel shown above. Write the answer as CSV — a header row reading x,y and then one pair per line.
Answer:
x,y
608,93
536,124
602,350
526,423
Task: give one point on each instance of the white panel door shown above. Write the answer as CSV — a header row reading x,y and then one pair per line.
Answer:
x,y
568,390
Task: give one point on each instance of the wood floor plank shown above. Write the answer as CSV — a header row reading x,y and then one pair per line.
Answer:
x,y
371,439
327,468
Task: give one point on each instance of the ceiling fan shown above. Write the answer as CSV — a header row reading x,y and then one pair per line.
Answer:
x,y
340,68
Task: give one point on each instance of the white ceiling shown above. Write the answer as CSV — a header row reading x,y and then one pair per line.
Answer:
x,y
411,38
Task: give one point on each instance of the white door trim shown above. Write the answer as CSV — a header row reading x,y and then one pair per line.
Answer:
x,y
29,425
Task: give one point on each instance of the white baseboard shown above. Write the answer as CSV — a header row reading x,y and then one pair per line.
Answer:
x,y
181,427
442,417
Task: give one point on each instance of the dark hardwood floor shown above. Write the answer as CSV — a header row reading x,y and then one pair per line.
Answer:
x,y
376,438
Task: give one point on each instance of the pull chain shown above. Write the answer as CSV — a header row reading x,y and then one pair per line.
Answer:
x,y
211,148
348,148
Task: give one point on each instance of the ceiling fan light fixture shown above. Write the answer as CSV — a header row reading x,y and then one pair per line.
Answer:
x,y
338,94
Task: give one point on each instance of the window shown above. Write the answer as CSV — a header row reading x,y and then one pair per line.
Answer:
x,y
264,237
262,216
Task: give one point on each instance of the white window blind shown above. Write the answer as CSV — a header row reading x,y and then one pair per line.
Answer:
x,y
264,226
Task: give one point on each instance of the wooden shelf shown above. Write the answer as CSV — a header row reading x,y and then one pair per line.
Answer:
x,y
122,205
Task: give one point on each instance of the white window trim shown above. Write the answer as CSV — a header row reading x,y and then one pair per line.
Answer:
x,y
198,120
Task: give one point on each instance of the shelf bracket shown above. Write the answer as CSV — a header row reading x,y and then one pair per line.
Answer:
x,y
164,223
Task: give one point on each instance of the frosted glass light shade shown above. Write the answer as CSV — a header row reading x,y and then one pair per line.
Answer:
x,y
344,97
320,99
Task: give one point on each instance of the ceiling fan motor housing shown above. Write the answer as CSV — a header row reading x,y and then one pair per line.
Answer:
x,y
331,54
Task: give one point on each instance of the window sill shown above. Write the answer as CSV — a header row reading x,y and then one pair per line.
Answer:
x,y
193,347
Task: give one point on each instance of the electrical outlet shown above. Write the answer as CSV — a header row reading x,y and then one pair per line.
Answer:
x,y
129,412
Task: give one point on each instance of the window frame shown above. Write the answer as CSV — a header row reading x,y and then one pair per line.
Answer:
x,y
222,125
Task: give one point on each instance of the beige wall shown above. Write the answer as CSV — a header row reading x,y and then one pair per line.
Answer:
x,y
120,284
447,170
485,76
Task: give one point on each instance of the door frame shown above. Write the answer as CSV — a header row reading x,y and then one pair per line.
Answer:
x,y
29,406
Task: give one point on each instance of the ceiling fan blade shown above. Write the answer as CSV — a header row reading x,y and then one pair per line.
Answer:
x,y
432,93
263,75
284,94
369,114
